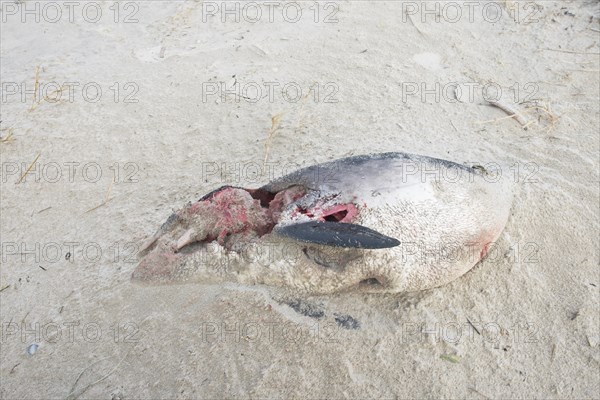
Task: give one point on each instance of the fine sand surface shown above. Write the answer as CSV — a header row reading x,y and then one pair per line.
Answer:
x,y
523,323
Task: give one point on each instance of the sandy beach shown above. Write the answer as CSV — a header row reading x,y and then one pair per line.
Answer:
x,y
115,114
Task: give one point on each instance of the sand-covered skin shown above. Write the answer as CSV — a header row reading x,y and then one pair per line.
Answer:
x,y
521,324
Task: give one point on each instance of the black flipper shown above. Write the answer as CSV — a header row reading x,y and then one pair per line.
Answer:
x,y
338,234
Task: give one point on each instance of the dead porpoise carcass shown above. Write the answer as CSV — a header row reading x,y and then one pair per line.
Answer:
x,y
390,222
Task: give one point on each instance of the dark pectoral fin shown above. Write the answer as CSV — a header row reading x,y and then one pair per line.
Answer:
x,y
338,234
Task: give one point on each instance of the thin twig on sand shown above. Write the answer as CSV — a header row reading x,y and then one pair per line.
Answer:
x,y
106,199
73,395
413,24
36,87
8,138
511,111
551,118
275,120
28,169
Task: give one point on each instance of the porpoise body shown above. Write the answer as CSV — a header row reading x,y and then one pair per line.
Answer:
x,y
389,222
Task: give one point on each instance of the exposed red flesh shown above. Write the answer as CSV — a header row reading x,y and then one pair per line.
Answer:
x,y
339,213
231,211
231,215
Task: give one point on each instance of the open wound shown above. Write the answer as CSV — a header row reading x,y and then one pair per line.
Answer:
x,y
232,215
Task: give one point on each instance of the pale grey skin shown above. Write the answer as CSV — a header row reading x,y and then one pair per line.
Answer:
x,y
445,216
